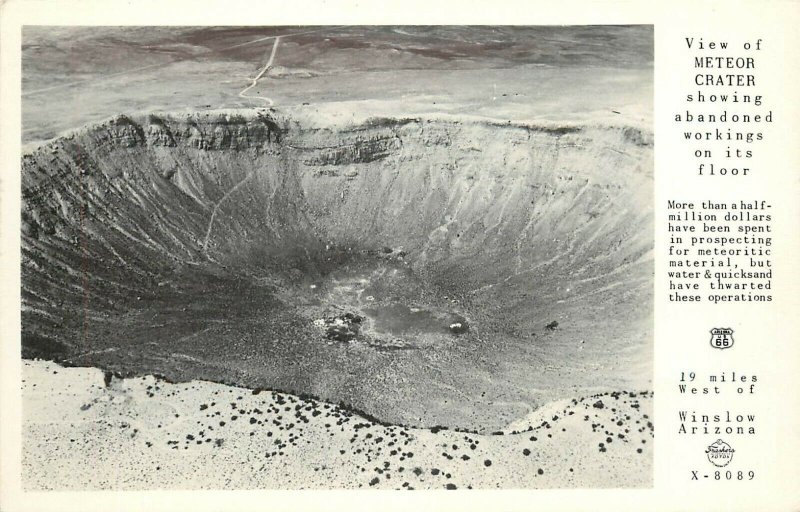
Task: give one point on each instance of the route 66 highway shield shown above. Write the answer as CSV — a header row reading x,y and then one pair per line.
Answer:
x,y
722,337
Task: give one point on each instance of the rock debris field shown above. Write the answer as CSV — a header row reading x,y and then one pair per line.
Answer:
x,y
144,433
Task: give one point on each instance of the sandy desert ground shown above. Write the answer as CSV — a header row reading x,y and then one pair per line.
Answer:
x,y
143,433
73,76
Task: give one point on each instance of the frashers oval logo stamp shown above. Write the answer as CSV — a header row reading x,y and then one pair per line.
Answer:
x,y
722,337
720,453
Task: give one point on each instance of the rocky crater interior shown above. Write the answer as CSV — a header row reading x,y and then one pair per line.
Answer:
x,y
425,271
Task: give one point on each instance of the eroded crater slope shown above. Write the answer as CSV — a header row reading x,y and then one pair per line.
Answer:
x,y
427,271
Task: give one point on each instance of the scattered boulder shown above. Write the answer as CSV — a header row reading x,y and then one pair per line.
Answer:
x,y
459,327
342,327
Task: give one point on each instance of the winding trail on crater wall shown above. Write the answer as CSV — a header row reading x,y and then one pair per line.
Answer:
x,y
271,59
216,209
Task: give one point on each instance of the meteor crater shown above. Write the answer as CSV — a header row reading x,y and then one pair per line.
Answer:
x,y
427,271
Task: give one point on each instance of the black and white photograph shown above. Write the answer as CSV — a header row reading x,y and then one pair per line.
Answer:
x,y
337,257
